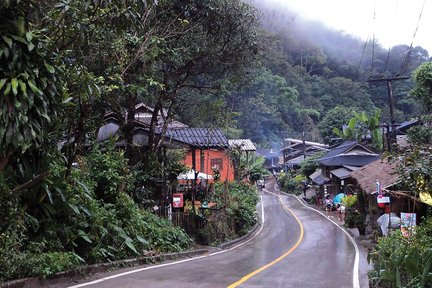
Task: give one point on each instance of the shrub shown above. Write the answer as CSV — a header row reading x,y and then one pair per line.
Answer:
x,y
400,261
240,203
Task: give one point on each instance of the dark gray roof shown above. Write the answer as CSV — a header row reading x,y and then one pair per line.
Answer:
x,y
199,137
404,126
318,178
348,153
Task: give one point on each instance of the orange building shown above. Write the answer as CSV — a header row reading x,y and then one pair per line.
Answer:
x,y
208,150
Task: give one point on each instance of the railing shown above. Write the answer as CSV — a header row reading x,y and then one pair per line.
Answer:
x,y
191,221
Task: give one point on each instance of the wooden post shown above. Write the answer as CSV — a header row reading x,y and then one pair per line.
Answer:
x,y
392,104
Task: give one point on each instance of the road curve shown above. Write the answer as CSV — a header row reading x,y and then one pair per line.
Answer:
x,y
297,247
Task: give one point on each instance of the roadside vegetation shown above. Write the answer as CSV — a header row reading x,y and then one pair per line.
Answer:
x,y
89,219
65,201
406,261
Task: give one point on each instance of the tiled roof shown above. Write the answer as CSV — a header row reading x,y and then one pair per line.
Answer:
x,y
199,137
243,144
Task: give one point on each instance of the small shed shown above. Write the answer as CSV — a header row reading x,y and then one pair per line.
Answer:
x,y
385,172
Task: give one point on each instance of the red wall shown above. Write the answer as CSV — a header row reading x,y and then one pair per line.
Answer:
x,y
227,171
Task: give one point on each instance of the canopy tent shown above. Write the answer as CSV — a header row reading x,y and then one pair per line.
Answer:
x,y
190,175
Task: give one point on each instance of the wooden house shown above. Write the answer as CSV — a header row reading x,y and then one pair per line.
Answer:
x,y
207,152
385,172
295,151
337,165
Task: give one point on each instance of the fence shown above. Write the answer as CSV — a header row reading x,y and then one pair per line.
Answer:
x,y
212,220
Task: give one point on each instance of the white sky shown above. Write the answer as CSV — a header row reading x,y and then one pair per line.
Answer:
x,y
395,20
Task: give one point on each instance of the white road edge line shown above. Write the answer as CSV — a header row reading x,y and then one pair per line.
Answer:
x,y
356,281
176,262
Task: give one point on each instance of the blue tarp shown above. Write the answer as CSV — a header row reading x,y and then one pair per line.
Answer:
x,y
338,198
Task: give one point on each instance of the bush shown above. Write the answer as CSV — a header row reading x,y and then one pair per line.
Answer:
x,y
240,202
48,264
400,261
91,220
290,184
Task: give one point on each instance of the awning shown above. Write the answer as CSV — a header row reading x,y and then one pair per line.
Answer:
x,y
341,173
318,178
190,175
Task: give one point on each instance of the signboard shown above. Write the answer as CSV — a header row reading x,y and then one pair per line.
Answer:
x,y
408,223
383,199
178,200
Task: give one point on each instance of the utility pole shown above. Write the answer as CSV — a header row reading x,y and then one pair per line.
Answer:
x,y
304,143
392,104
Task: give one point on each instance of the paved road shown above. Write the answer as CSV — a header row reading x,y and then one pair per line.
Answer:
x,y
297,247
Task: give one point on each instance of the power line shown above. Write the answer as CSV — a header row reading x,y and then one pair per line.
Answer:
x,y
373,39
405,65
392,32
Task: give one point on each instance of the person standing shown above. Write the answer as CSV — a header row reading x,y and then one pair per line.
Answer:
x,y
328,204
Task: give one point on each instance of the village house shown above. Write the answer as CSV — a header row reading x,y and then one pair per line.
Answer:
x,y
337,165
383,175
295,151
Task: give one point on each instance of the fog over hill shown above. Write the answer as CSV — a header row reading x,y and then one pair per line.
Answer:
x,y
339,47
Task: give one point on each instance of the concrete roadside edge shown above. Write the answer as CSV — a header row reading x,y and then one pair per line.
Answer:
x,y
88,270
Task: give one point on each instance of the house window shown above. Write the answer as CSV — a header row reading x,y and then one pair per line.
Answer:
x,y
216,163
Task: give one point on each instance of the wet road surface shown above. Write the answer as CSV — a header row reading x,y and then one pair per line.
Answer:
x,y
297,247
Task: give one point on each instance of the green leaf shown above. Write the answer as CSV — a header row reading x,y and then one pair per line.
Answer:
x,y
142,240
14,83
34,88
49,68
22,86
6,51
7,90
84,235
30,46
131,246
8,41
2,82
74,208
29,36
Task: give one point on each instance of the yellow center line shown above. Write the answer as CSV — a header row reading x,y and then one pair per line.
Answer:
x,y
245,278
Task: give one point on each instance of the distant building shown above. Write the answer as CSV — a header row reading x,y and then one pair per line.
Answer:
x,y
296,150
337,165
273,159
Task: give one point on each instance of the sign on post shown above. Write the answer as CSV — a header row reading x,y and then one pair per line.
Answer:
x,y
408,223
177,200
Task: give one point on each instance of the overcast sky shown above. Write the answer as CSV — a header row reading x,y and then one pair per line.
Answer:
x,y
395,20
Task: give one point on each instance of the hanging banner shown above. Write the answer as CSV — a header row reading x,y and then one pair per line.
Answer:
x,y
408,223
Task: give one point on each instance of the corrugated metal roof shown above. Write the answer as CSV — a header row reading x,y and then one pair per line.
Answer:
x,y
318,177
199,137
107,131
341,173
243,144
348,153
350,160
295,161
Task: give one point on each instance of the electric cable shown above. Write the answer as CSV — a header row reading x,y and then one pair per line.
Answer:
x,y
406,62
392,33
373,38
